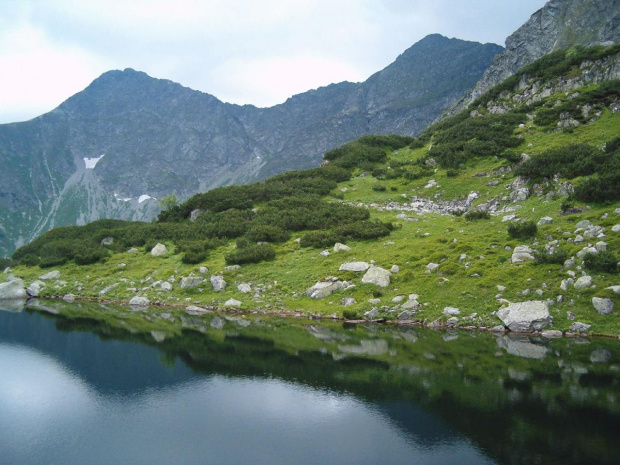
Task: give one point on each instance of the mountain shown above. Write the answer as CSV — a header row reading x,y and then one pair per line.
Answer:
x,y
108,150
560,24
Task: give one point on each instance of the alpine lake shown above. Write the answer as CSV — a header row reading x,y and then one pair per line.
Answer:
x,y
96,384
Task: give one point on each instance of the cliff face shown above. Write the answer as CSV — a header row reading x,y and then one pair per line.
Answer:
x,y
558,25
128,138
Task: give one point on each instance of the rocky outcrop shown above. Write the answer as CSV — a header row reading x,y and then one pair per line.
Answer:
x,y
560,24
13,289
525,316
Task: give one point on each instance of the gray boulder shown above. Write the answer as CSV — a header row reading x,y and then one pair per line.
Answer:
x,y
196,311
451,311
218,283
35,288
338,247
166,286
245,288
139,302
545,220
377,276
525,316
233,303
579,327
406,315
583,282
13,290
603,306
190,281
158,250
347,301
354,266
54,274
372,314
522,253
324,288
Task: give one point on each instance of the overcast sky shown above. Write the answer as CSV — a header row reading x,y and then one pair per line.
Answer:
x,y
242,51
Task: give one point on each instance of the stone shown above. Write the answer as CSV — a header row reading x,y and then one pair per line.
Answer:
x,y
245,288
188,282
452,321
324,253
615,289
338,247
232,303
107,289
398,299
602,305
525,316
323,289
372,314
121,265
139,302
601,246
196,311
545,220
583,282
159,250
13,290
411,304
203,270
55,274
133,250
165,286
501,288
600,356
616,228
451,311
354,266
585,251
218,283
374,301
347,301
551,333
522,253
395,269
585,224
107,241
406,315
35,288
579,327
68,298
377,276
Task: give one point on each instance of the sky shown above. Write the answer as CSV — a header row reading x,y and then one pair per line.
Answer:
x,y
256,52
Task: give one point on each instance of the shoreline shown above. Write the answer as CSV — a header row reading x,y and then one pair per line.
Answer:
x,y
284,313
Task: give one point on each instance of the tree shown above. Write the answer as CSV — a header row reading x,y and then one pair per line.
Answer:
x,y
168,202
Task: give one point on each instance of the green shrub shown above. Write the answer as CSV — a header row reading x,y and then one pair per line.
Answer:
x,y
251,254
319,239
350,314
599,189
379,188
267,233
477,215
48,262
364,230
88,256
604,261
30,260
194,257
558,257
522,230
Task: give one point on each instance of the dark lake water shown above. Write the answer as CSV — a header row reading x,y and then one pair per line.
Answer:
x,y
150,387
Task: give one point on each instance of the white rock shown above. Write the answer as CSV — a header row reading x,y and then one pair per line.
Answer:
x,y
338,247
232,268
324,253
616,289
13,289
525,316
194,310
372,314
451,311
158,250
245,288
602,306
398,299
324,288
583,282
55,274
35,288
190,281
218,283
616,228
585,251
165,286
395,269
432,266
585,224
347,301
203,270
68,298
139,302
377,276
232,303
501,288
354,266
579,327
545,220
601,246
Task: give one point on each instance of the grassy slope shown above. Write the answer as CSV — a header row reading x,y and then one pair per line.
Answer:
x,y
411,246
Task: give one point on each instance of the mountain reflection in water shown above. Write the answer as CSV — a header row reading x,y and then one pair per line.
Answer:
x,y
136,389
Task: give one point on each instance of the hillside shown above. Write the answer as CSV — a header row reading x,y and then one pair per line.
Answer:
x,y
128,138
514,200
560,24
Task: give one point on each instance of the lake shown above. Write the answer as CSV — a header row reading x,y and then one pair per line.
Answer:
x,y
93,384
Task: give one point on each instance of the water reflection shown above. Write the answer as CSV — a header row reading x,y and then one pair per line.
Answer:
x,y
234,390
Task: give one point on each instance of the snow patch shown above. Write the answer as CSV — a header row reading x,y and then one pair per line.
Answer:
x,y
144,197
92,162
122,199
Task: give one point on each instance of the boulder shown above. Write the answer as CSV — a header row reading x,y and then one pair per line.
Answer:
x,y
616,228
338,247
13,290
139,302
377,276
348,301
54,274
196,311
158,250
615,289
406,315
579,327
35,288
165,286
451,311
432,266
372,314
585,224
354,266
324,288
411,304
233,303
522,253
232,268
525,316
545,220
583,282
190,281
395,269
218,283
602,306
587,250
203,270
68,297
245,288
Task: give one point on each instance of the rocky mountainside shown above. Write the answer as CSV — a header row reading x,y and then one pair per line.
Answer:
x,y
129,138
560,24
